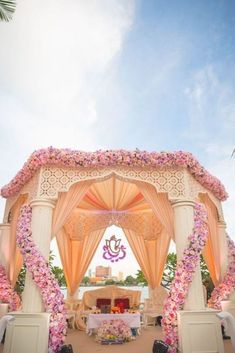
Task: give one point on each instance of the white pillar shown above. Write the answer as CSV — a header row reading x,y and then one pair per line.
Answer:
x,y
183,226
5,231
42,211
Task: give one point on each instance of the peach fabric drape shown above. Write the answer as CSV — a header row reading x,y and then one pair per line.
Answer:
x,y
14,255
66,202
150,254
76,256
211,251
160,205
113,194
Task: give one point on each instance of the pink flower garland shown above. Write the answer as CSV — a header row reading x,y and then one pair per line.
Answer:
x,y
183,277
79,159
7,293
51,294
224,289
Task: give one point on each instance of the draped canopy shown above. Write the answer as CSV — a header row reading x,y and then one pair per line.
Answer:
x,y
118,202
87,202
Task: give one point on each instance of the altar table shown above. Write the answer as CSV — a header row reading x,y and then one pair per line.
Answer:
x,y
94,320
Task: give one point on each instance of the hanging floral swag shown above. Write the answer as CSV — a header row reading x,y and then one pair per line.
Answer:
x,y
38,267
224,289
183,277
7,293
79,159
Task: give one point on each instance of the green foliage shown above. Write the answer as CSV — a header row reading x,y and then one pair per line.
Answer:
x,y
59,275
140,279
19,286
7,8
109,281
206,278
169,270
130,280
86,280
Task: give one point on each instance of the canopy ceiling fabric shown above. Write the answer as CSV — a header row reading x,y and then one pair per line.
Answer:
x,y
113,194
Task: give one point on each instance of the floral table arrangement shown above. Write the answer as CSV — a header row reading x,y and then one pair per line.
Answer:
x,y
113,332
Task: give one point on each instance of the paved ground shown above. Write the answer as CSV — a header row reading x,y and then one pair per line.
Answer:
x,y
83,343
143,344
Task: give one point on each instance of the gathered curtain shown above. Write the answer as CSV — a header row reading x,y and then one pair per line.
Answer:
x,y
65,205
76,255
66,202
211,252
160,205
150,254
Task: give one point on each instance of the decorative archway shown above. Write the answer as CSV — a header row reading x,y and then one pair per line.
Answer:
x,y
58,182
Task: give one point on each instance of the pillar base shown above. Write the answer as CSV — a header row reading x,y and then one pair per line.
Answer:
x,y
199,332
27,333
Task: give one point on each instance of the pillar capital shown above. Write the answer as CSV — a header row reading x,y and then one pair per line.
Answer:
x,y
184,202
42,202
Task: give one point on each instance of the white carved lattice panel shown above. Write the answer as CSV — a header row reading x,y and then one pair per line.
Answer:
x,y
54,180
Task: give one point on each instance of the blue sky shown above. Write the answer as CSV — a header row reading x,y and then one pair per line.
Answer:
x,y
157,75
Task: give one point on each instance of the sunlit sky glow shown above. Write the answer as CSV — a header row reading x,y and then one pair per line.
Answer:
x,y
156,75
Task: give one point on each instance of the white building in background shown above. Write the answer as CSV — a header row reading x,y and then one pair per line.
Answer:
x,y
102,271
120,276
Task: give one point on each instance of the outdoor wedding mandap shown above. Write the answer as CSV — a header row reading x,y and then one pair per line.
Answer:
x,y
155,198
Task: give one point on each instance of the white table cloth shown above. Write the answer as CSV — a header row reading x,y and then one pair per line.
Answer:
x,y
94,320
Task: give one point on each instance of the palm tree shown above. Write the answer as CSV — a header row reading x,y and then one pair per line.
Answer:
x,y
7,8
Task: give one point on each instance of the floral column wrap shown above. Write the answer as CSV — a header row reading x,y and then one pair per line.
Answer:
x,y
183,277
7,293
38,267
224,289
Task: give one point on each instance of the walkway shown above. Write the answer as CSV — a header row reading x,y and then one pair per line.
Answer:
x,y
83,343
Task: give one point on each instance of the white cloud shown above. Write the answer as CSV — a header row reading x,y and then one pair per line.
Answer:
x,y
222,166
54,57
212,125
210,103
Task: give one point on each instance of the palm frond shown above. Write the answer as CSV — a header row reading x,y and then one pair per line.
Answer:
x,y
7,8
